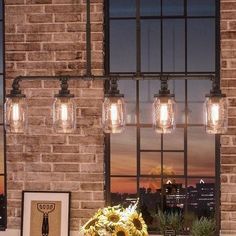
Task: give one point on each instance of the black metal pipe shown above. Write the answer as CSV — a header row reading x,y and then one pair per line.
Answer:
x,y
88,40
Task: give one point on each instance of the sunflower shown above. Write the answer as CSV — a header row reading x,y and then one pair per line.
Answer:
x,y
137,225
121,230
90,227
111,217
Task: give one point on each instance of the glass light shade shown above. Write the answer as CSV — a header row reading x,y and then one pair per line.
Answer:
x,y
216,115
163,114
16,114
64,115
113,114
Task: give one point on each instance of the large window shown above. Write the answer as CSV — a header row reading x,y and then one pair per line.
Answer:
x,y
171,172
2,136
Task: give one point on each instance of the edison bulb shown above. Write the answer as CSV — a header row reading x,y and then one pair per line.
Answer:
x,y
163,114
16,114
216,115
113,114
64,115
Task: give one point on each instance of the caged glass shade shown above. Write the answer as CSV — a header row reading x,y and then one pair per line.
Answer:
x,y
16,114
64,115
163,114
113,114
216,114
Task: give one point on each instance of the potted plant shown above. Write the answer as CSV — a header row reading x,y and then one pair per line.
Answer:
x,y
116,221
170,223
203,227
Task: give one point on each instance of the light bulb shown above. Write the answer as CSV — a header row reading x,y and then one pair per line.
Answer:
x,y
15,112
114,113
64,112
215,113
164,116
64,115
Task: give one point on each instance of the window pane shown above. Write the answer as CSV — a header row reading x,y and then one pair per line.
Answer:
x,y
201,7
1,47
174,194
173,7
1,10
175,140
173,163
122,49
150,184
150,7
123,152
177,87
150,140
180,113
173,46
150,199
1,150
201,161
201,45
196,113
147,90
122,8
150,46
128,88
150,163
201,197
122,189
197,90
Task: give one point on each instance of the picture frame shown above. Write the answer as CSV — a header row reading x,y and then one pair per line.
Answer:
x,y
45,213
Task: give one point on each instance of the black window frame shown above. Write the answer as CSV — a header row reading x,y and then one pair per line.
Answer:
x,y
186,74
3,225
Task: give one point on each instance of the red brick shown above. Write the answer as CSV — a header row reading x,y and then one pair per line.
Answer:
x,y
40,18
38,37
38,28
40,56
67,17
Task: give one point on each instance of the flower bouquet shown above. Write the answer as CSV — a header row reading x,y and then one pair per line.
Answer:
x,y
116,221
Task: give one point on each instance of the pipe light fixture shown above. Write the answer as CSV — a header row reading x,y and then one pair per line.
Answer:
x,y
216,111
113,110
164,109
64,110
15,111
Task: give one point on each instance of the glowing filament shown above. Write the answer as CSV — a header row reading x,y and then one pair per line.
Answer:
x,y
114,113
164,114
64,112
15,112
215,113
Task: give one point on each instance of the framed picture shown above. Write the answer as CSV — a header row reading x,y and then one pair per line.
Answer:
x,y
45,213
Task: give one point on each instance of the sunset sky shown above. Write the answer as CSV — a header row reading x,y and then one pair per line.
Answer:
x,y
123,149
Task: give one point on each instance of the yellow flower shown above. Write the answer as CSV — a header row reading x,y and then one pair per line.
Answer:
x,y
121,230
89,229
137,225
111,217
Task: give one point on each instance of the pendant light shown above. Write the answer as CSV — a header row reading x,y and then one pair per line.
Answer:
x,y
163,109
113,110
216,111
64,110
15,111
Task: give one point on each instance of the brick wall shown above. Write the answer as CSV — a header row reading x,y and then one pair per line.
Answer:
x,y
47,37
228,151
